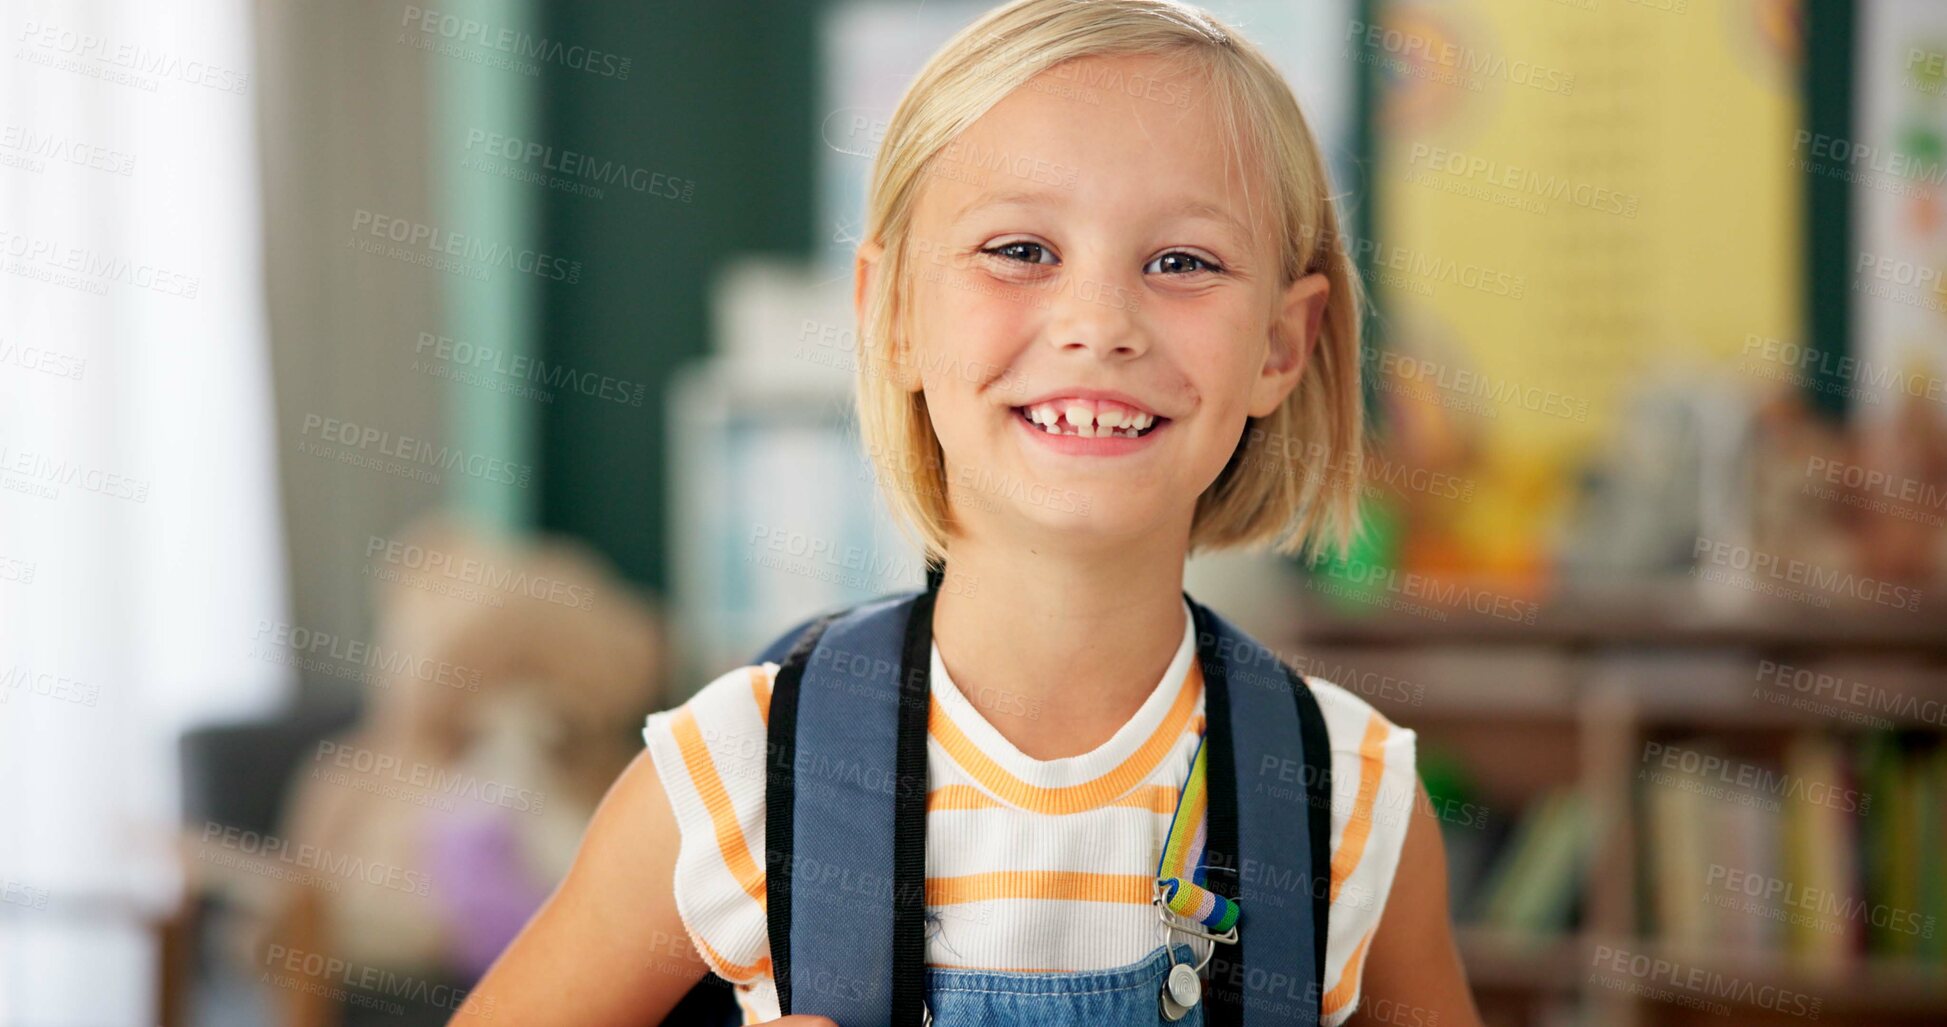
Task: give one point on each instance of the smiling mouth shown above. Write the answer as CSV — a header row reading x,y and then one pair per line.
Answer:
x,y
1090,419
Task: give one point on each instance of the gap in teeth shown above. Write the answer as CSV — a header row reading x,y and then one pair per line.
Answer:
x,y
1079,420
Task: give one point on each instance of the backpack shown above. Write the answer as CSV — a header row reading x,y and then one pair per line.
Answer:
x,y
845,822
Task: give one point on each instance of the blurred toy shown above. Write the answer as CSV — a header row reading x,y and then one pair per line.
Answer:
x,y
512,676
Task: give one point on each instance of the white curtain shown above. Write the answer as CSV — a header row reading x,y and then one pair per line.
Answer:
x,y
140,545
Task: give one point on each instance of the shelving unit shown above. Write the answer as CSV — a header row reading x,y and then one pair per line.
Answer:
x,y
1599,673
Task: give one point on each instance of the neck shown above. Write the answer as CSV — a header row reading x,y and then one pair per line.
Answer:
x,y
1058,648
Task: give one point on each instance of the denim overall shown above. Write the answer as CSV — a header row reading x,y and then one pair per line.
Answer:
x,y
845,860
1120,995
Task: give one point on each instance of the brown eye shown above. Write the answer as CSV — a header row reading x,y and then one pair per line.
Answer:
x,y
1022,252
1178,262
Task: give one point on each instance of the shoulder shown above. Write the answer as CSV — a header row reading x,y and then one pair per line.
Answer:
x,y
1374,790
709,752
722,716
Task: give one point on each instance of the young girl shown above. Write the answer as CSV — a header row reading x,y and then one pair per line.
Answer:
x,y
1108,320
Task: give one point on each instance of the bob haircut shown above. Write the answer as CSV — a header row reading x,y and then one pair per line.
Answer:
x,y
1295,478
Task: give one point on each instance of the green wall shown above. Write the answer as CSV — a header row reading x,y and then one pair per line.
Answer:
x,y
719,94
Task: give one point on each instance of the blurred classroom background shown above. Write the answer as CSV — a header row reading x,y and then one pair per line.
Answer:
x,y
398,403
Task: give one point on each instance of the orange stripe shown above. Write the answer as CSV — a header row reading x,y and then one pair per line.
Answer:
x,y
1073,885
1348,985
1371,762
716,800
959,797
1154,798
730,971
760,690
1078,798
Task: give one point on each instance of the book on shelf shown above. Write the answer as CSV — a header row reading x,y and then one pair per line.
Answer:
x,y
1829,851
1534,880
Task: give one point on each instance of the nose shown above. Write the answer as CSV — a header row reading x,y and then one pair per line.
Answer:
x,y
1097,314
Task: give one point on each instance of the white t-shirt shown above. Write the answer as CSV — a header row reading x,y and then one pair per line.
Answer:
x,y
1030,864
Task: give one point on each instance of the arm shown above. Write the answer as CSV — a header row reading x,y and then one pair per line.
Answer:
x,y
608,948
1413,976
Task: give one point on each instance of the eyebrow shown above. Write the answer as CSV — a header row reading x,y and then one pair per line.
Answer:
x,y
1197,209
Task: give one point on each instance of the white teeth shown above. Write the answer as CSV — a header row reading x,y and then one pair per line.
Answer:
x,y
1083,421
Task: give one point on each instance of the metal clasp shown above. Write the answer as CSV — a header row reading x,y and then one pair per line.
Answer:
x,y
1175,923
1182,986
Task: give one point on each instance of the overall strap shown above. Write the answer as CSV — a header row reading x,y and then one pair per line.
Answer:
x,y
845,816
1269,824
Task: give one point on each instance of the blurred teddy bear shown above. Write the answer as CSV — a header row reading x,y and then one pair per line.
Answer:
x,y
511,676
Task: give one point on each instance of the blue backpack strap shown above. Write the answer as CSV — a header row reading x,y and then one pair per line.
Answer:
x,y
845,813
781,646
1264,729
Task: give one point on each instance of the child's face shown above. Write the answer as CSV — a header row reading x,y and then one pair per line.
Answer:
x,y
1083,254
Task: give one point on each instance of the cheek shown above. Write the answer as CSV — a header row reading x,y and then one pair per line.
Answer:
x,y
1219,350
969,317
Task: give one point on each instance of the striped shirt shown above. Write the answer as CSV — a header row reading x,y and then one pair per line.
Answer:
x,y
1030,864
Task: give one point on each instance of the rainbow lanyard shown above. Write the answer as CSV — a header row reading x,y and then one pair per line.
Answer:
x,y
1180,873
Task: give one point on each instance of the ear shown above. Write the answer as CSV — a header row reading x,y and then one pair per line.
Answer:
x,y
1294,333
864,268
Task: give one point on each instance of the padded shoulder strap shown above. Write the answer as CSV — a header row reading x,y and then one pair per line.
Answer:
x,y
1269,828
780,647
845,816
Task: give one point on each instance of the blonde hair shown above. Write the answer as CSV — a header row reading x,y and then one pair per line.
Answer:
x,y
1295,478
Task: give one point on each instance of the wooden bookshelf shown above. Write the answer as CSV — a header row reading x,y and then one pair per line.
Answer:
x,y
1601,670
